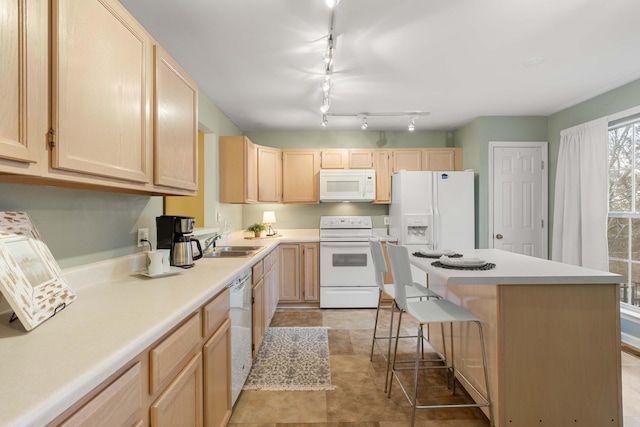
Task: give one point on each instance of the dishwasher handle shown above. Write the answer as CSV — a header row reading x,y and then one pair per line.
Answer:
x,y
237,285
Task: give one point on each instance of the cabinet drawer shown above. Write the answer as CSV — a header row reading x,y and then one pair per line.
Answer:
x,y
257,271
215,312
267,260
168,357
119,404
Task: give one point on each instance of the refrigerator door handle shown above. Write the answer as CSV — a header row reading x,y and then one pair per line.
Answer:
x,y
436,225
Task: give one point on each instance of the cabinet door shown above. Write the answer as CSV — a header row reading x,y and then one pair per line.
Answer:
x,y
311,271
175,124
275,283
360,159
406,159
181,403
238,170
101,90
257,316
289,272
119,404
23,95
300,169
269,175
251,172
333,159
217,377
383,176
438,159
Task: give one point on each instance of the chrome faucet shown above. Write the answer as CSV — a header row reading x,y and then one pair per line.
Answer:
x,y
210,242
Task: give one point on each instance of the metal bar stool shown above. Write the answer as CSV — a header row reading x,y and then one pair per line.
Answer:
x,y
426,312
413,291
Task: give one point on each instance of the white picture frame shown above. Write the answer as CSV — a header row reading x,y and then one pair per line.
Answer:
x,y
30,278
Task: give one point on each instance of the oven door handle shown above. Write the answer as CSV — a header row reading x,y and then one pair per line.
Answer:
x,y
344,244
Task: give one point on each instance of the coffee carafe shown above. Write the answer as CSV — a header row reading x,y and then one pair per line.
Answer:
x,y
174,234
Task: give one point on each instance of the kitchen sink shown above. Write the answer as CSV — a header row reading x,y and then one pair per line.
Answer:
x,y
232,251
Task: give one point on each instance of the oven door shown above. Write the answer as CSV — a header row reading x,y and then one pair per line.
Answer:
x,y
346,264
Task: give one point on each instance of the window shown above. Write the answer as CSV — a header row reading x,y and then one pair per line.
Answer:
x,y
623,228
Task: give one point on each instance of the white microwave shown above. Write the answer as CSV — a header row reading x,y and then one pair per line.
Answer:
x,y
355,185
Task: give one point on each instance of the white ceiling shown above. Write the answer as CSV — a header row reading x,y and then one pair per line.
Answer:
x,y
260,61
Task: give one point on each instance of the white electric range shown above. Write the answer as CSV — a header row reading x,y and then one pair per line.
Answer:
x,y
347,277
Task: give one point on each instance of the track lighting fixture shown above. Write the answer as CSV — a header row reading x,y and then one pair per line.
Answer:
x,y
326,103
326,85
364,125
365,116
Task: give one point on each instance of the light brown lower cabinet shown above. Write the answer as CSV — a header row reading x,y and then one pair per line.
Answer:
x,y
217,377
299,273
119,404
181,402
257,316
184,379
264,297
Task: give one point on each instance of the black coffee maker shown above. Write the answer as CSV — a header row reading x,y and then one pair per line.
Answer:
x,y
174,234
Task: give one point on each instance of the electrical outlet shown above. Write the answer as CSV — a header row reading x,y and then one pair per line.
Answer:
x,y
385,220
143,234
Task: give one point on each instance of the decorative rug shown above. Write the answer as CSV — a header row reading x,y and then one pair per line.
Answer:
x,y
292,359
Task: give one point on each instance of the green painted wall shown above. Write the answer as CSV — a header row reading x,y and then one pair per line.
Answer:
x,y
474,139
350,139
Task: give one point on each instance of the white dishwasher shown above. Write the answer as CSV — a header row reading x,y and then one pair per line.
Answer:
x,y
240,313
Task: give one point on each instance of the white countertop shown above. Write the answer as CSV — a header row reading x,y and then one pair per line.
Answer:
x,y
46,370
515,269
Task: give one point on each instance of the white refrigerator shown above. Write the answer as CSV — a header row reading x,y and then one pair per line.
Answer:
x,y
433,210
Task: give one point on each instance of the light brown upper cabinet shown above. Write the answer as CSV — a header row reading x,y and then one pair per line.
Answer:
x,y
175,149
269,175
83,114
333,159
300,170
383,176
238,170
23,95
406,159
442,159
360,159
346,159
101,90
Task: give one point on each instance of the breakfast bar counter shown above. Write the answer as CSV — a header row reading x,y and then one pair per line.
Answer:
x,y
552,333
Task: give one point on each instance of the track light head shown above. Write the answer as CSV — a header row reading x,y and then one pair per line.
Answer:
x,y
326,85
332,3
365,124
412,124
324,121
326,104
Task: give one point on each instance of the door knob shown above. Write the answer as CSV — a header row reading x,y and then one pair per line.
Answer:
x,y
499,236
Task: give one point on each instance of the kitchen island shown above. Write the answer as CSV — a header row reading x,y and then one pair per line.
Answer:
x,y
552,333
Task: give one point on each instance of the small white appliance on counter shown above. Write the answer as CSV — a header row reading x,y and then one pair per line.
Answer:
x,y
432,210
347,278
354,185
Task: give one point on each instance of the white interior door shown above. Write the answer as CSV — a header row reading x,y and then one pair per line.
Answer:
x,y
518,197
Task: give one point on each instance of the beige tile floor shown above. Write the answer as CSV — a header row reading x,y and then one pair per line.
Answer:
x,y
359,398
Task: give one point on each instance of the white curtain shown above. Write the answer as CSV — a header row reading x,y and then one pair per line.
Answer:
x,y
581,197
